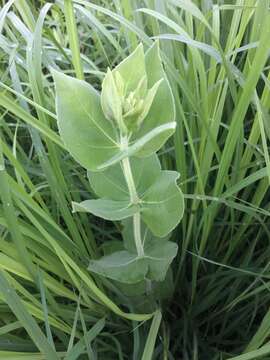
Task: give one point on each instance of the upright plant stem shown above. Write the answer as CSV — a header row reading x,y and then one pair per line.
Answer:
x,y
134,199
137,233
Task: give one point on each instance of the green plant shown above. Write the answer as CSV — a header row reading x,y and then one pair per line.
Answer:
x,y
115,136
216,57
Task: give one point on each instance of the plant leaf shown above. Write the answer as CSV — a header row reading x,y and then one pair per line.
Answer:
x,y
132,69
148,238
87,134
137,289
149,100
163,204
127,267
110,183
159,256
80,346
162,110
121,266
152,337
138,146
106,209
90,137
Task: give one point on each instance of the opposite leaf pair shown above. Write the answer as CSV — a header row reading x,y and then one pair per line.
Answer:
x,y
122,266
160,199
126,266
92,139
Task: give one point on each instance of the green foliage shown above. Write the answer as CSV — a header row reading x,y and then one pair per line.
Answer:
x,y
197,103
111,182
107,209
160,200
128,106
130,268
83,127
163,204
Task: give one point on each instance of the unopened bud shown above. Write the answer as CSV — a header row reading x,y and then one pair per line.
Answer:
x,y
111,100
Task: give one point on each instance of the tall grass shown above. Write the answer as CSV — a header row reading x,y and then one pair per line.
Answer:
x,y
216,55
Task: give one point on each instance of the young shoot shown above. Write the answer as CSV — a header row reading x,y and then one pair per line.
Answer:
x,y
115,135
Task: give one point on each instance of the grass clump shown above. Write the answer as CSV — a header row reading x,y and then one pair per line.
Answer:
x,y
214,303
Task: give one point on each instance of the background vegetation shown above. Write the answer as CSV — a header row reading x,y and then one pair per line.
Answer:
x,y
216,55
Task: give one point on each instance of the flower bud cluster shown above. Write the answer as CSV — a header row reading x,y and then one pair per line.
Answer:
x,y
126,109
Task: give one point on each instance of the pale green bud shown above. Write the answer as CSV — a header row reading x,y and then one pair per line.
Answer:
x,y
119,82
148,101
136,109
111,101
141,89
126,110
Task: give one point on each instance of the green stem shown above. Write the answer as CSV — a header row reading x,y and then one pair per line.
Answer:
x,y
137,233
130,181
134,199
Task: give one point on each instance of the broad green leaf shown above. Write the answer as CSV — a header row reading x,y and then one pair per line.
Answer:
x,y
121,266
137,289
127,267
163,204
162,110
87,134
159,256
90,137
148,238
132,290
161,290
106,209
132,69
111,183
138,145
